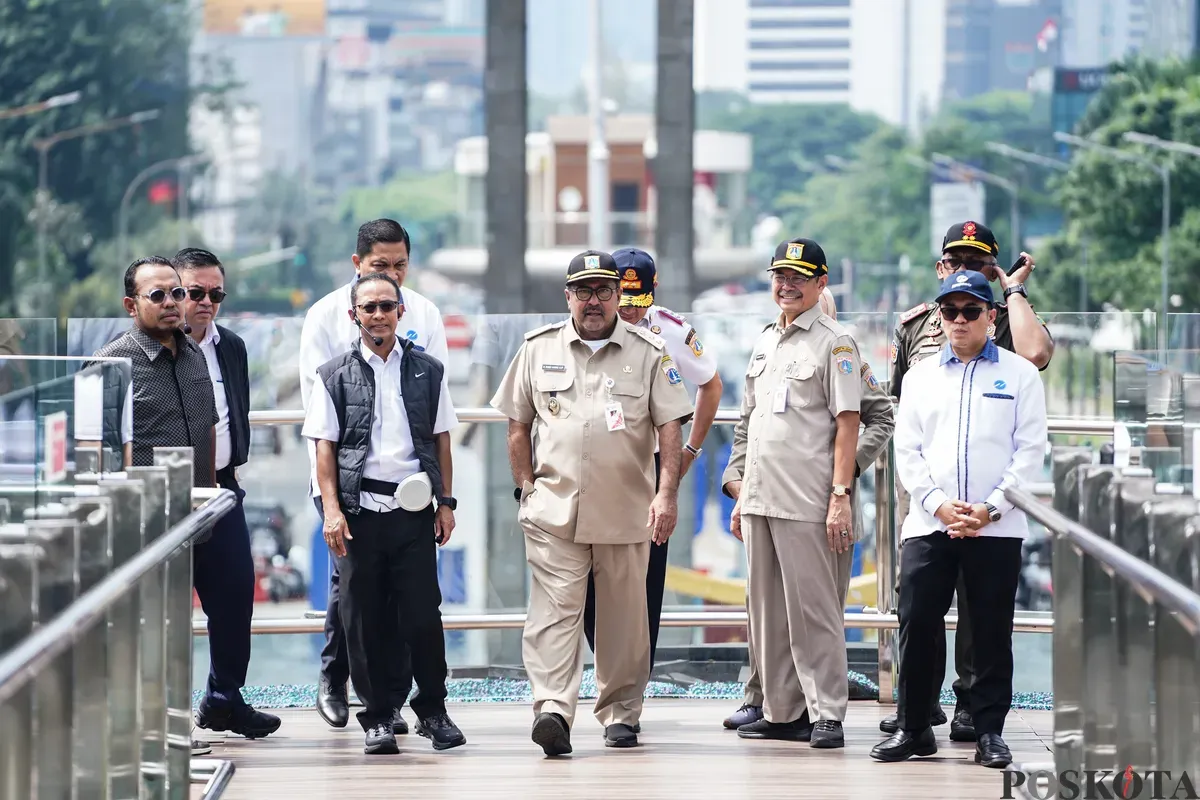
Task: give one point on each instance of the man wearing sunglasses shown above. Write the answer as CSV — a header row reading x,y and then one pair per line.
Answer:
x,y
976,428
970,247
223,568
586,400
383,248
380,418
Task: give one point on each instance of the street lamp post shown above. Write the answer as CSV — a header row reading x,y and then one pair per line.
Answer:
x,y
1164,173
1014,207
58,101
182,166
1059,166
43,147
599,230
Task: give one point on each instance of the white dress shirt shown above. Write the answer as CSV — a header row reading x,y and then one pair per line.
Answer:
x,y
391,455
208,346
972,431
328,331
682,343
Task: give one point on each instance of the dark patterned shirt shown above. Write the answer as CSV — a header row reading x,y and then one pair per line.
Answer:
x,y
173,402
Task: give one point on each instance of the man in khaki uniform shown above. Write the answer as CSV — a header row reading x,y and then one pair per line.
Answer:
x,y
792,472
591,392
878,422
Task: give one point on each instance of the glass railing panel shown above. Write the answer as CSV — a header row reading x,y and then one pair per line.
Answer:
x,y
1158,398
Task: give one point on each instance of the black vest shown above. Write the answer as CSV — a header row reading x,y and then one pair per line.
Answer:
x,y
351,383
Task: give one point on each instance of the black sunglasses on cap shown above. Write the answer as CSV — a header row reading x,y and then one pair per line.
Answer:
x,y
159,296
971,313
197,294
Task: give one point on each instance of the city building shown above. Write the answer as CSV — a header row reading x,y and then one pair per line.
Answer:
x,y
558,216
1096,33
798,51
1171,28
995,45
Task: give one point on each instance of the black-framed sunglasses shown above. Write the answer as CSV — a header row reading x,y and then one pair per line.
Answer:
x,y
970,313
386,306
603,294
972,265
159,296
197,294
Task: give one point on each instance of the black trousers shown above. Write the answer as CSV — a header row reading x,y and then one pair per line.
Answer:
x,y
656,580
335,661
929,569
223,575
392,561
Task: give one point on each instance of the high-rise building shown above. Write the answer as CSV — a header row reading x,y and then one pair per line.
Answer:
x,y
1098,32
798,51
1171,28
996,45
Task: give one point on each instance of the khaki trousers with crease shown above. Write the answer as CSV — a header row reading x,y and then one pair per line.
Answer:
x,y
552,643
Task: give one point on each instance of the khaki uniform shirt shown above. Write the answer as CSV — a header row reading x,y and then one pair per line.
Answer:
x,y
800,378
920,334
592,485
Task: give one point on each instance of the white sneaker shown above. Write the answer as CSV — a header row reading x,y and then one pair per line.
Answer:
x,y
200,748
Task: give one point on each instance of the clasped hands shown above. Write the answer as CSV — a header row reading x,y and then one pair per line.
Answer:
x,y
963,519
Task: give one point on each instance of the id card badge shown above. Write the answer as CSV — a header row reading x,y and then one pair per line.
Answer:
x,y
779,401
614,417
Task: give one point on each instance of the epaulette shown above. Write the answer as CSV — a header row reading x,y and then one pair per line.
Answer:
x,y
649,336
913,313
539,331
832,324
671,315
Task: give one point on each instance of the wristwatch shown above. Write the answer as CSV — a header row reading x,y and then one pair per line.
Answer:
x,y
842,491
993,512
449,502
1016,288
695,451
517,493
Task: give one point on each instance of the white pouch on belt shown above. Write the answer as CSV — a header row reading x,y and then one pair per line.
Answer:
x,y
415,492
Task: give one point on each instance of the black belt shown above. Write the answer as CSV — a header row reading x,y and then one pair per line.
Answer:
x,y
385,488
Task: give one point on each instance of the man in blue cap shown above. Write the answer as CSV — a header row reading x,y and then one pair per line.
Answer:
x,y
697,366
976,428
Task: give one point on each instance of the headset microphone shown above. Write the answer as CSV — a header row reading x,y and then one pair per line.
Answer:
x,y
187,329
378,341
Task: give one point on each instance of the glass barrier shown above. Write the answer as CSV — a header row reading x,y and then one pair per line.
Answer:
x,y
27,337
1158,397
483,568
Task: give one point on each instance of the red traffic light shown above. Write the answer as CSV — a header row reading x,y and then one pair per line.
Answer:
x,y
161,192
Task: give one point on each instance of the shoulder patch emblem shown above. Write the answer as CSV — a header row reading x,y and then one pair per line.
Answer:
x,y
893,351
845,366
697,348
673,376
671,315
842,349
691,334
913,313
868,376
539,331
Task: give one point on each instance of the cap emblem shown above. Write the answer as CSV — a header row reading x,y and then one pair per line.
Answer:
x,y
795,251
961,279
969,229
630,275
591,262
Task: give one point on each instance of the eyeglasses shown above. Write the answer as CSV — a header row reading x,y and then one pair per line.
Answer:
x,y
974,265
386,306
159,296
602,294
970,313
197,294
793,278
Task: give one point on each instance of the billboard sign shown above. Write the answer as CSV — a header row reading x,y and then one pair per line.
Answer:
x,y
951,203
273,18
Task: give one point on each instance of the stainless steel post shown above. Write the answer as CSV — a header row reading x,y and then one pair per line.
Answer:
x,y
58,586
91,742
178,461
154,640
124,622
18,605
886,557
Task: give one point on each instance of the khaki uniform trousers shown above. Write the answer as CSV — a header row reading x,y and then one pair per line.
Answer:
x,y
798,637
552,644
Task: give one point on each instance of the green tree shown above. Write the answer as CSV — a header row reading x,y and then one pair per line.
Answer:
x,y
124,56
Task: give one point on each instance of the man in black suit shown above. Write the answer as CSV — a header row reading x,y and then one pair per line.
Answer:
x,y
223,569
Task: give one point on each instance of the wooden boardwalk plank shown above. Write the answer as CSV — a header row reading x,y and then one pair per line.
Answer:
x,y
684,752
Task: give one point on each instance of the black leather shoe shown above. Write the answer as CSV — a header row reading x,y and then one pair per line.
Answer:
x,y
962,727
743,716
827,733
798,730
620,735
991,751
637,727
904,745
242,720
891,724
550,731
332,703
399,723
441,730
381,741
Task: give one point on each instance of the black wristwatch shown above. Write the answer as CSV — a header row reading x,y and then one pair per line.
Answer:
x,y
517,493
448,502
1016,288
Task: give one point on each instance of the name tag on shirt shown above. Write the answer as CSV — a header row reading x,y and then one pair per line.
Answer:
x,y
614,417
779,402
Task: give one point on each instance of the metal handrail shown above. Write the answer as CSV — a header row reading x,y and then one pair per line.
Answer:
x,y
1150,583
21,664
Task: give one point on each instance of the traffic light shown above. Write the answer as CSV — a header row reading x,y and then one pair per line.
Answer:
x,y
161,192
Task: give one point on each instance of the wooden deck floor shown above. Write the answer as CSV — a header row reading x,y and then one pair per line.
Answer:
x,y
684,753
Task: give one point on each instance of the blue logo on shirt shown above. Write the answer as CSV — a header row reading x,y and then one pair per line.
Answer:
x,y
411,335
1000,384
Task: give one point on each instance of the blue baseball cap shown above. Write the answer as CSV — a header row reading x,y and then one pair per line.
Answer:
x,y
638,277
969,283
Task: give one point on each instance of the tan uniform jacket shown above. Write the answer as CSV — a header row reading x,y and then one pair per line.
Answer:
x,y
592,485
800,378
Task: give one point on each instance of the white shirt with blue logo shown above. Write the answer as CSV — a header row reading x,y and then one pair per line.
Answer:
x,y
968,432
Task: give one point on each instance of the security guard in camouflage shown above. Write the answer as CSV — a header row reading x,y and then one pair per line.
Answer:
x,y
919,334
